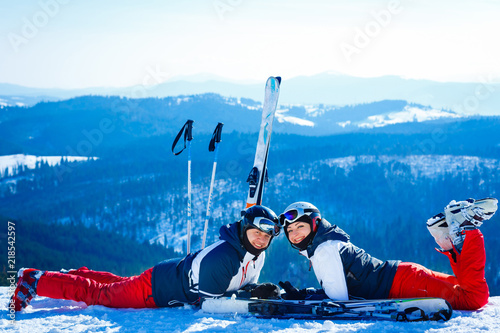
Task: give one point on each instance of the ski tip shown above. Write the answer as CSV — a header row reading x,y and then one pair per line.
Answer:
x,y
278,78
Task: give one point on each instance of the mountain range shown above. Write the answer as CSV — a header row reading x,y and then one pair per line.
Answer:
x,y
326,88
91,123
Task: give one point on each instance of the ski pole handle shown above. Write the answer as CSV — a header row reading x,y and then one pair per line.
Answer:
x,y
216,137
187,129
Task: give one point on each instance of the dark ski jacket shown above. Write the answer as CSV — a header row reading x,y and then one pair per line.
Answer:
x,y
344,269
221,268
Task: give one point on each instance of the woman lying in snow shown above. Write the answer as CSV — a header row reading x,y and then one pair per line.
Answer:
x,y
344,270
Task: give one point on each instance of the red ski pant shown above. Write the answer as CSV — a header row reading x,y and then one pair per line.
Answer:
x,y
467,290
99,288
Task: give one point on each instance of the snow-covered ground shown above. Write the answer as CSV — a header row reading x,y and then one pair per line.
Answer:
x,y
49,315
10,163
408,114
420,165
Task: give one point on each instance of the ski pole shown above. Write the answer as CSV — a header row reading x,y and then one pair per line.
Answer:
x,y
214,145
187,129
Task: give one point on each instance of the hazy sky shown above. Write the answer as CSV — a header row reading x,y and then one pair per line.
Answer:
x,y
76,44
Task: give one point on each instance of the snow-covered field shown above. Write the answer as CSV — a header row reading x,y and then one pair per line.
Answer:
x,y
10,163
408,114
428,166
49,315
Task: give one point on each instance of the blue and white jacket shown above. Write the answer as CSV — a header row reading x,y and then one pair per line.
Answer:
x,y
344,270
221,268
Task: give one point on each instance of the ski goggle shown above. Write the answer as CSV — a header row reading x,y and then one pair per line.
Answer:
x,y
266,225
294,214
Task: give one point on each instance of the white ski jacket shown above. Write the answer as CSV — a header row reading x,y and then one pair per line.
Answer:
x,y
344,270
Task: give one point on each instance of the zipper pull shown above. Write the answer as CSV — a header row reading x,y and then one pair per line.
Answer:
x,y
254,260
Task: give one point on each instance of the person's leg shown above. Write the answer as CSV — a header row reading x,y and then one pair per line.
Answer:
x,y
467,291
414,280
469,270
445,277
101,277
134,292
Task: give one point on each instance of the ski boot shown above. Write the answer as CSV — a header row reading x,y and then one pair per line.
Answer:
x,y
439,229
448,228
467,215
26,287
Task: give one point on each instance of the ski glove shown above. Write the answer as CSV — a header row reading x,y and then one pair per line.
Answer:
x,y
293,293
266,291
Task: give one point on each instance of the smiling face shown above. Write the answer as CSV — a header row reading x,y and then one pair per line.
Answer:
x,y
298,231
258,239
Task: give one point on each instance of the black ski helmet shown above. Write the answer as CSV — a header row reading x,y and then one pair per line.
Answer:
x,y
261,218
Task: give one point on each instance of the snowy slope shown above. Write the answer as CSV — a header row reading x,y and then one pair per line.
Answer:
x,y
429,166
9,163
48,315
408,114
316,116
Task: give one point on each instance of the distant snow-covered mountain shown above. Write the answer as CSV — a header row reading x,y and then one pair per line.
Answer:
x,y
315,117
408,114
71,120
325,88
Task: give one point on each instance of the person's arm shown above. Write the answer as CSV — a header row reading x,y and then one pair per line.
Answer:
x,y
329,270
250,286
216,270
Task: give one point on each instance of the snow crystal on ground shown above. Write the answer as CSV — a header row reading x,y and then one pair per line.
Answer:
x,y
50,315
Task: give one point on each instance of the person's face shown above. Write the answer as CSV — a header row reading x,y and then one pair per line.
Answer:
x,y
258,239
298,231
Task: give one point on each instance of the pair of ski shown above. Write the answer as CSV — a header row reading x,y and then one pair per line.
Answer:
x,y
187,131
413,309
258,174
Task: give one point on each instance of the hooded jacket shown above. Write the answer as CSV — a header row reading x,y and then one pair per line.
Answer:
x,y
344,270
225,266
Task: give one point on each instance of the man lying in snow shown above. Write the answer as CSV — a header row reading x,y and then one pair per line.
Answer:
x,y
232,264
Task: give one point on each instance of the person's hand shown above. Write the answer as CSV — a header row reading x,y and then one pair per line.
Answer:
x,y
293,293
266,291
